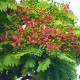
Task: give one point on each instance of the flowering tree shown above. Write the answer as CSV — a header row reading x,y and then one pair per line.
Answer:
x,y
43,44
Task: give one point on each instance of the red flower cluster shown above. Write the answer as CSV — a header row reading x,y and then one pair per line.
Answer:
x,y
17,40
48,18
30,23
66,8
77,47
63,47
34,31
4,37
70,28
42,35
20,29
72,38
37,33
24,18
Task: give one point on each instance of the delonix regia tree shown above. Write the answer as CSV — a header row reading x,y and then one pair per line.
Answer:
x,y
43,43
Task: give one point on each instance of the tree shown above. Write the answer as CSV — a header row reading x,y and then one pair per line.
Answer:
x,y
43,43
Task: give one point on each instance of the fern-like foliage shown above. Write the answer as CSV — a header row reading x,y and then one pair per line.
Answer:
x,y
43,65
10,60
7,14
30,63
5,4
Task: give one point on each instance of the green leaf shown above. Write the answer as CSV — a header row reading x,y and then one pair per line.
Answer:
x,y
30,50
57,22
7,4
72,16
10,60
1,66
77,32
44,5
30,63
66,58
44,65
18,55
54,53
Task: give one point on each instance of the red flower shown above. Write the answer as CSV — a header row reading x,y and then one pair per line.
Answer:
x,y
22,19
37,22
29,40
58,32
62,47
70,28
21,39
13,44
77,47
46,20
27,9
72,38
51,47
47,30
21,29
43,27
15,37
46,39
41,11
66,8
19,44
70,10
50,17
3,38
61,37
27,17
50,36
36,42
30,23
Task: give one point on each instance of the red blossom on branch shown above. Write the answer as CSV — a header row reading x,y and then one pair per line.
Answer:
x,y
50,17
15,37
4,37
51,47
30,23
67,8
70,28
20,29
27,9
77,47
63,47
19,44
72,38
13,44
